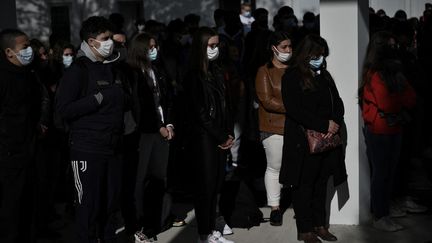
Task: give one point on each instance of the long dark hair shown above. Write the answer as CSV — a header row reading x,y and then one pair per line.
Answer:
x,y
311,46
198,60
275,39
139,46
381,57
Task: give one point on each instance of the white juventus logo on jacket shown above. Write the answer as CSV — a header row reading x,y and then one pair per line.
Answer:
x,y
78,166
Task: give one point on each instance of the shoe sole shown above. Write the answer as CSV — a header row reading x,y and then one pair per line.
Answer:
x,y
275,224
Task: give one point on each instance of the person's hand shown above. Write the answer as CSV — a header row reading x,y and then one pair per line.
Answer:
x,y
170,132
228,143
332,129
164,132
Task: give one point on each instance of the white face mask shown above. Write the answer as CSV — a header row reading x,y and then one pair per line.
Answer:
x,y
141,27
106,47
25,56
67,61
282,56
212,54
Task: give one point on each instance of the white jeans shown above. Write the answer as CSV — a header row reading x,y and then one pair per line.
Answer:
x,y
236,146
273,149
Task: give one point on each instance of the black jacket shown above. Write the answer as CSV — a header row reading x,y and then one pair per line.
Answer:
x,y
308,109
143,104
21,99
94,127
208,109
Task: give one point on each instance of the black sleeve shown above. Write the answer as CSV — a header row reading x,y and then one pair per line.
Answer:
x,y
292,96
45,106
338,106
196,95
69,102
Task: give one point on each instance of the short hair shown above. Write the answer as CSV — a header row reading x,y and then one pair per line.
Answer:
x,y
8,36
94,26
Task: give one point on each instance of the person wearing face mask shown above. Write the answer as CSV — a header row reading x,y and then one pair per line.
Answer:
x,y
151,110
91,99
246,17
311,101
272,117
211,133
119,38
20,113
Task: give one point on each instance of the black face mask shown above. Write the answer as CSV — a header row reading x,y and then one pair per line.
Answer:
x,y
390,52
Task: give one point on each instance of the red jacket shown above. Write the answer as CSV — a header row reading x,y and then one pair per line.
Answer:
x,y
376,97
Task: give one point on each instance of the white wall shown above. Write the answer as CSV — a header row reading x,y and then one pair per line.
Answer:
x,y
413,8
344,26
167,10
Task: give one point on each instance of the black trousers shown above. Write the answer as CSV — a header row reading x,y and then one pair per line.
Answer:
x,y
209,174
16,214
98,183
309,198
152,164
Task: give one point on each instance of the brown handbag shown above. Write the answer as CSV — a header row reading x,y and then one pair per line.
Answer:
x,y
317,142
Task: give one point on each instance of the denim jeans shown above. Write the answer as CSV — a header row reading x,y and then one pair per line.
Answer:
x,y
383,153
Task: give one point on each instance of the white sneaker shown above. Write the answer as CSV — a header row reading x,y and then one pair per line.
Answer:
x,y
386,224
412,207
227,230
220,239
397,211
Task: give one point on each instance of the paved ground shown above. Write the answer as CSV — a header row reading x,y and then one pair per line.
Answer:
x,y
418,230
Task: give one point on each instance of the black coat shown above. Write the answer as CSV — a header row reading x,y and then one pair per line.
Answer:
x,y
21,99
209,113
308,109
143,105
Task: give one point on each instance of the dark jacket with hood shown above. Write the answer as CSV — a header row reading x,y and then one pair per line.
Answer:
x,y
21,102
94,127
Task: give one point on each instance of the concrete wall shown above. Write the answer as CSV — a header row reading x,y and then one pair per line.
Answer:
x,y
167,10
33,18
344,24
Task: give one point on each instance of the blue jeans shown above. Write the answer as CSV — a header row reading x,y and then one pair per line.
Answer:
x,y
383,152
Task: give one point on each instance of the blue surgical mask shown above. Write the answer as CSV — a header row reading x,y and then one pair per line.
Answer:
x,y
316,64
247,14
152,54
67,61
25,56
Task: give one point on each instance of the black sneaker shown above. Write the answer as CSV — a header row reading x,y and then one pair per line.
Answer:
x,y
276,217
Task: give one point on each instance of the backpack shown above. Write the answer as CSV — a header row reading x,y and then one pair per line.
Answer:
x,y
243,211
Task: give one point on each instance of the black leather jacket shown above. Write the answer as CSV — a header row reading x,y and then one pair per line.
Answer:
x,y
207,101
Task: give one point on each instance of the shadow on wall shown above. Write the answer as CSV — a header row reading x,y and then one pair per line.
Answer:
x,y
82,9
32,18
167,10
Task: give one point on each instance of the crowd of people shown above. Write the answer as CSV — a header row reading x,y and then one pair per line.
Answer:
x,y
120,127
